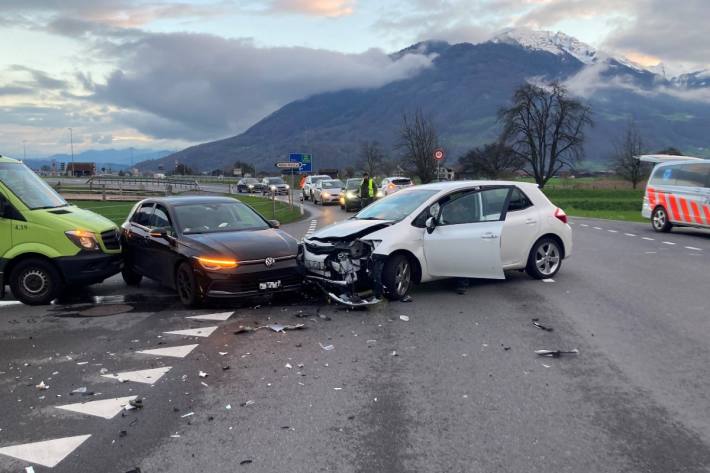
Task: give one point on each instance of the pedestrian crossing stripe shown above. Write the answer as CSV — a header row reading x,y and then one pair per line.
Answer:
x,y
141,376
176,352
194,332
46,453
105,408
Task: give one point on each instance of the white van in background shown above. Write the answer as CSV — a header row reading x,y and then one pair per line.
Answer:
x,y
678,192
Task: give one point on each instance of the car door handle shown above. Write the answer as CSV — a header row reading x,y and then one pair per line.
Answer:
x,y
530,221
489,236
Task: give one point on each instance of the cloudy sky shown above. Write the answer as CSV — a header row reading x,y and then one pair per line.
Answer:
x,y
166,74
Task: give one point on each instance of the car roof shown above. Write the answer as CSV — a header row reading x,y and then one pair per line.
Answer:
x,y
192,199
5,159
453,185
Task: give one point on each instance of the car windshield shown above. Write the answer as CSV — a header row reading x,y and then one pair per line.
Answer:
x,y
396,206
31,189
251,180
315,179
216,217
402,181
275,180
353,184
332,184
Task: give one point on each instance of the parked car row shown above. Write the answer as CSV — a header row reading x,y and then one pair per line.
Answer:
x,y
266,186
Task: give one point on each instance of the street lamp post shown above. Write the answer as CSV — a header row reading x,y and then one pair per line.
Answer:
x,y
71,144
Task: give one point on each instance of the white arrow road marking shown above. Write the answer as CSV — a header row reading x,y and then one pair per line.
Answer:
x,y
194,332
106,408
693,248
142,376
7,303
176,352
47,453
222,316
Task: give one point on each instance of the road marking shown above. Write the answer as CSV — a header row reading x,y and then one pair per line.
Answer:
x,y
598,228
194,332
176,352
312,227
650,252
630,234
647,238
142,376
548,280
8,303
222,316
46,453
668,243
612,231
105,408
693,248
583,225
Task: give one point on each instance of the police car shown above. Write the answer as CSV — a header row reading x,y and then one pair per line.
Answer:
x,y
677,193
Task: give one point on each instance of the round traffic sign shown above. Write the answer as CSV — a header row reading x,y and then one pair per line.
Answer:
x,y
439,154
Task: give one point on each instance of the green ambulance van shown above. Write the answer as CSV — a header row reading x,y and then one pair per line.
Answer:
x,y
47,244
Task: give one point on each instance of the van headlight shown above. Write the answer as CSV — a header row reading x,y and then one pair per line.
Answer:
x,y
83,239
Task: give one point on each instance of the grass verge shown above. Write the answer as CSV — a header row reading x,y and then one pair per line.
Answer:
x,y
621,204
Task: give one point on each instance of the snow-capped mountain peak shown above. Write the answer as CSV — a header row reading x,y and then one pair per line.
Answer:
x,y
556,43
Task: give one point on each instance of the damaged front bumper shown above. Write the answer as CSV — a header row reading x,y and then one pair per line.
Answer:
x,y
347,271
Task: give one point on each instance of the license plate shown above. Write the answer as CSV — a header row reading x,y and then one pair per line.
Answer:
x,y
269,285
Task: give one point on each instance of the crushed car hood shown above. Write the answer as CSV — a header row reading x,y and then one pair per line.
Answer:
x,y
349,230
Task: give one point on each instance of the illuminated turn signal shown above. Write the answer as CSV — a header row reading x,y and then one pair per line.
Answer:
x,y
215,264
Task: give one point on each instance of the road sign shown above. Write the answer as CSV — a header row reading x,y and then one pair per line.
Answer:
x,y
288,165
439,154
305,160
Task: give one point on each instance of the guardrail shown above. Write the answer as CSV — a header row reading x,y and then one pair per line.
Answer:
x,y
167,185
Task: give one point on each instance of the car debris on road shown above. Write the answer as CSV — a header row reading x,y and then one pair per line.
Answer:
x,y
536,323
556,353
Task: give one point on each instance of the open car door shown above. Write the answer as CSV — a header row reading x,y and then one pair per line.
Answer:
x,y
466,239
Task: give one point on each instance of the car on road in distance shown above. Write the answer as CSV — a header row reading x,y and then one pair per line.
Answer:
x,y
327,191
249,185
350,195
461,229
390,185
208,247
310,184
46,244
274,186
677,192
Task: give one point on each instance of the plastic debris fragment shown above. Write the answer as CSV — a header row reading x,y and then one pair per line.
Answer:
x,y
556,353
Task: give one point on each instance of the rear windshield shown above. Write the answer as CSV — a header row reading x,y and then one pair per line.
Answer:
x,y
353,184
31,189
401,182
682,175
275,180
332,184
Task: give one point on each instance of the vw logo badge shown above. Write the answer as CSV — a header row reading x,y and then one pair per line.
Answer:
x,y
269,262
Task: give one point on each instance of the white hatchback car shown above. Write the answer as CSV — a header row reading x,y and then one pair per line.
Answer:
x,y
463,229
390,185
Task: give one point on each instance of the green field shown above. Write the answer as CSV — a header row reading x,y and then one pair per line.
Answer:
x,y
116,211
614,204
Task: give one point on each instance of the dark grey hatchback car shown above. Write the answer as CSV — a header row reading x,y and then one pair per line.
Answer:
x,y
208,247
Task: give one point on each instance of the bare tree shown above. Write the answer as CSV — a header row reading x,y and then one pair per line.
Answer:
x,y
545,128
491,161
371,157
626,148
418,140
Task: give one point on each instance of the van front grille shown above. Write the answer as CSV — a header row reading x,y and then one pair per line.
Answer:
x,y
111,239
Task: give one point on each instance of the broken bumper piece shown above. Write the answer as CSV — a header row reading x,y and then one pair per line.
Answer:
x,y
354,301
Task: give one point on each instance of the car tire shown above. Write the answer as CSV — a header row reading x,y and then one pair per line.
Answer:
x,y
659,220
130,276
545,258
186,286
397,277
35,281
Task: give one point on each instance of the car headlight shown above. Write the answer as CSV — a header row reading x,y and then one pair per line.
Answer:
x,y
251,186
273,188
350,194
287,186
380,194
215,264
326,194
83,239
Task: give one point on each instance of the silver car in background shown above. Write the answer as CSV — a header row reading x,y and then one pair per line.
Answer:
x,y
327,191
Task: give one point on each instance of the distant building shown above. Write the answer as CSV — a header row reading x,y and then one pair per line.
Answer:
x,y
80,169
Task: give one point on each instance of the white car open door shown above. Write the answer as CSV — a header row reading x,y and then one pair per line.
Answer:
x,y
466,239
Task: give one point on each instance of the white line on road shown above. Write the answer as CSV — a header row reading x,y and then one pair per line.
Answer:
x,y
46,453
176,352
630,234
647,238
598,228
194,332
583,225
141,376
668,243
548,280
693,248
8,303
612,231
105,408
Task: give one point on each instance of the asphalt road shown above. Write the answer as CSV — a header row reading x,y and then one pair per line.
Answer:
x,y
456,388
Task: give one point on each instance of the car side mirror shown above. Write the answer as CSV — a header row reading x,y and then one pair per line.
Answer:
x,y
160,232
430,224
275,223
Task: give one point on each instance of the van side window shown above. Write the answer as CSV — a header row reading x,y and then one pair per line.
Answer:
x,y
160,219
692,175
142,215
518,201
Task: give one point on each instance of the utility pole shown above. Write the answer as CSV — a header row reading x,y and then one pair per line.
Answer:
x,y
71,143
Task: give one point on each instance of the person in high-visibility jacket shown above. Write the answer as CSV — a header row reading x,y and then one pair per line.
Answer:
x,y
367,190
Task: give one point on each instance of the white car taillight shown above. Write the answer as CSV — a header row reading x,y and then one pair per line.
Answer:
x,y
561,215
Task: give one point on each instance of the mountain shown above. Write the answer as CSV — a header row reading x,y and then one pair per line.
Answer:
x,y
462,92
116,159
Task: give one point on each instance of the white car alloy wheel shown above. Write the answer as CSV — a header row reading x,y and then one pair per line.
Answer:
x,y
547,258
